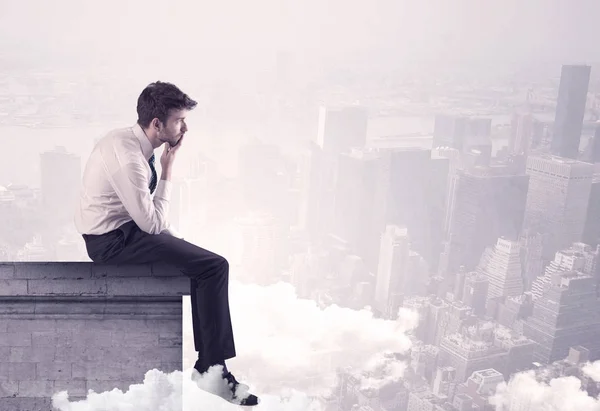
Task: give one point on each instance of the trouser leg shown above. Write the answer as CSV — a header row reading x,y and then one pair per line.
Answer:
x,y
208,273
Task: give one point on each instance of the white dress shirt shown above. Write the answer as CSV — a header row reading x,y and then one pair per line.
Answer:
x,y
115,186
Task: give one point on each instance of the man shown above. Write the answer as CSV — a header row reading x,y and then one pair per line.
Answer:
x,y
121,222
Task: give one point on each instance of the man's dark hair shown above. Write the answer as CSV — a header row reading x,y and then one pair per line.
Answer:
x,y
158,99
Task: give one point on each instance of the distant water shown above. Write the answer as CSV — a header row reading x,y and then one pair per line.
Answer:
x,y
21,146
396,125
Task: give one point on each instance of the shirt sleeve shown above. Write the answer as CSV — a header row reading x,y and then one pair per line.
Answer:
x,y
130,182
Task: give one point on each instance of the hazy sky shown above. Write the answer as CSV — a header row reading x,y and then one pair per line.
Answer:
x,y
244,32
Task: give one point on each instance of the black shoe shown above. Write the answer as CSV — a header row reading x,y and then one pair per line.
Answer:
x,y
239,392
232,390
203,369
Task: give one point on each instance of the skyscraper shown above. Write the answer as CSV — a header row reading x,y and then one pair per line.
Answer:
x,y
339,130
410,182
532,263
461,133
355,203
521,133
580,257
342,128
570,110
567,315
502,267
557,200
391,274
486,203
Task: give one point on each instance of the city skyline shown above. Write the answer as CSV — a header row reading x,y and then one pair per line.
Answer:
x,y
405,194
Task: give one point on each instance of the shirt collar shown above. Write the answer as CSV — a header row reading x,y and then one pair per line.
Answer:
x,y
147,148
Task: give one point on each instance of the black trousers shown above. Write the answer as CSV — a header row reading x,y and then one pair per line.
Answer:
x,y
208,273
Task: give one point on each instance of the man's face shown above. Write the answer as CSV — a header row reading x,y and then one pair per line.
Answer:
x,y
174,128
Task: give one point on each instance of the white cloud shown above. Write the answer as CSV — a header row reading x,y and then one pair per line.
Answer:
x,y
288,350
592,370
525,393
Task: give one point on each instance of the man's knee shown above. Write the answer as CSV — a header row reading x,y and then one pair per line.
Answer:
x,y
223,264
215,264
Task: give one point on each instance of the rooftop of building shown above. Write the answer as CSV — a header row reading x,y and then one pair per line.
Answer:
x,y
559,160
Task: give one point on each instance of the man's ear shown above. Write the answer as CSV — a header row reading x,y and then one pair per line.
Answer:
x,y
156,124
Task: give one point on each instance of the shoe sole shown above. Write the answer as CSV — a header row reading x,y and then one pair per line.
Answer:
x,y
243,402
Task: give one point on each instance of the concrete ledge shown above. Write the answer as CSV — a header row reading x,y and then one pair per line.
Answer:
x,y
79,326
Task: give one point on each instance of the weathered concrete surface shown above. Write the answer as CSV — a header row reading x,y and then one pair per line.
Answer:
x,y
80,326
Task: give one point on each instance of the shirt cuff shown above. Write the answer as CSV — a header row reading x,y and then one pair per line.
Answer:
x,y
163,189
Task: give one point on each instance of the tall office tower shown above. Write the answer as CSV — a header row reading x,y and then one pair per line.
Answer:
x,y
461,133
403,191
532,264
358,212
591,228
437,198
579,257
453,156
567,314
61,182
338,131
342,128
570,110
475,292
557,200
486,203
501,265
384,186
521,133
391,274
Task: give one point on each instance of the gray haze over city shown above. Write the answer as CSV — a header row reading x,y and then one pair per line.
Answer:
x,y
408,193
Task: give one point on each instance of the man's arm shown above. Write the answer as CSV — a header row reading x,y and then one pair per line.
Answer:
x,y
130,183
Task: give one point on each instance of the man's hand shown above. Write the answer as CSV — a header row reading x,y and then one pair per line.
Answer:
x,y
168,157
